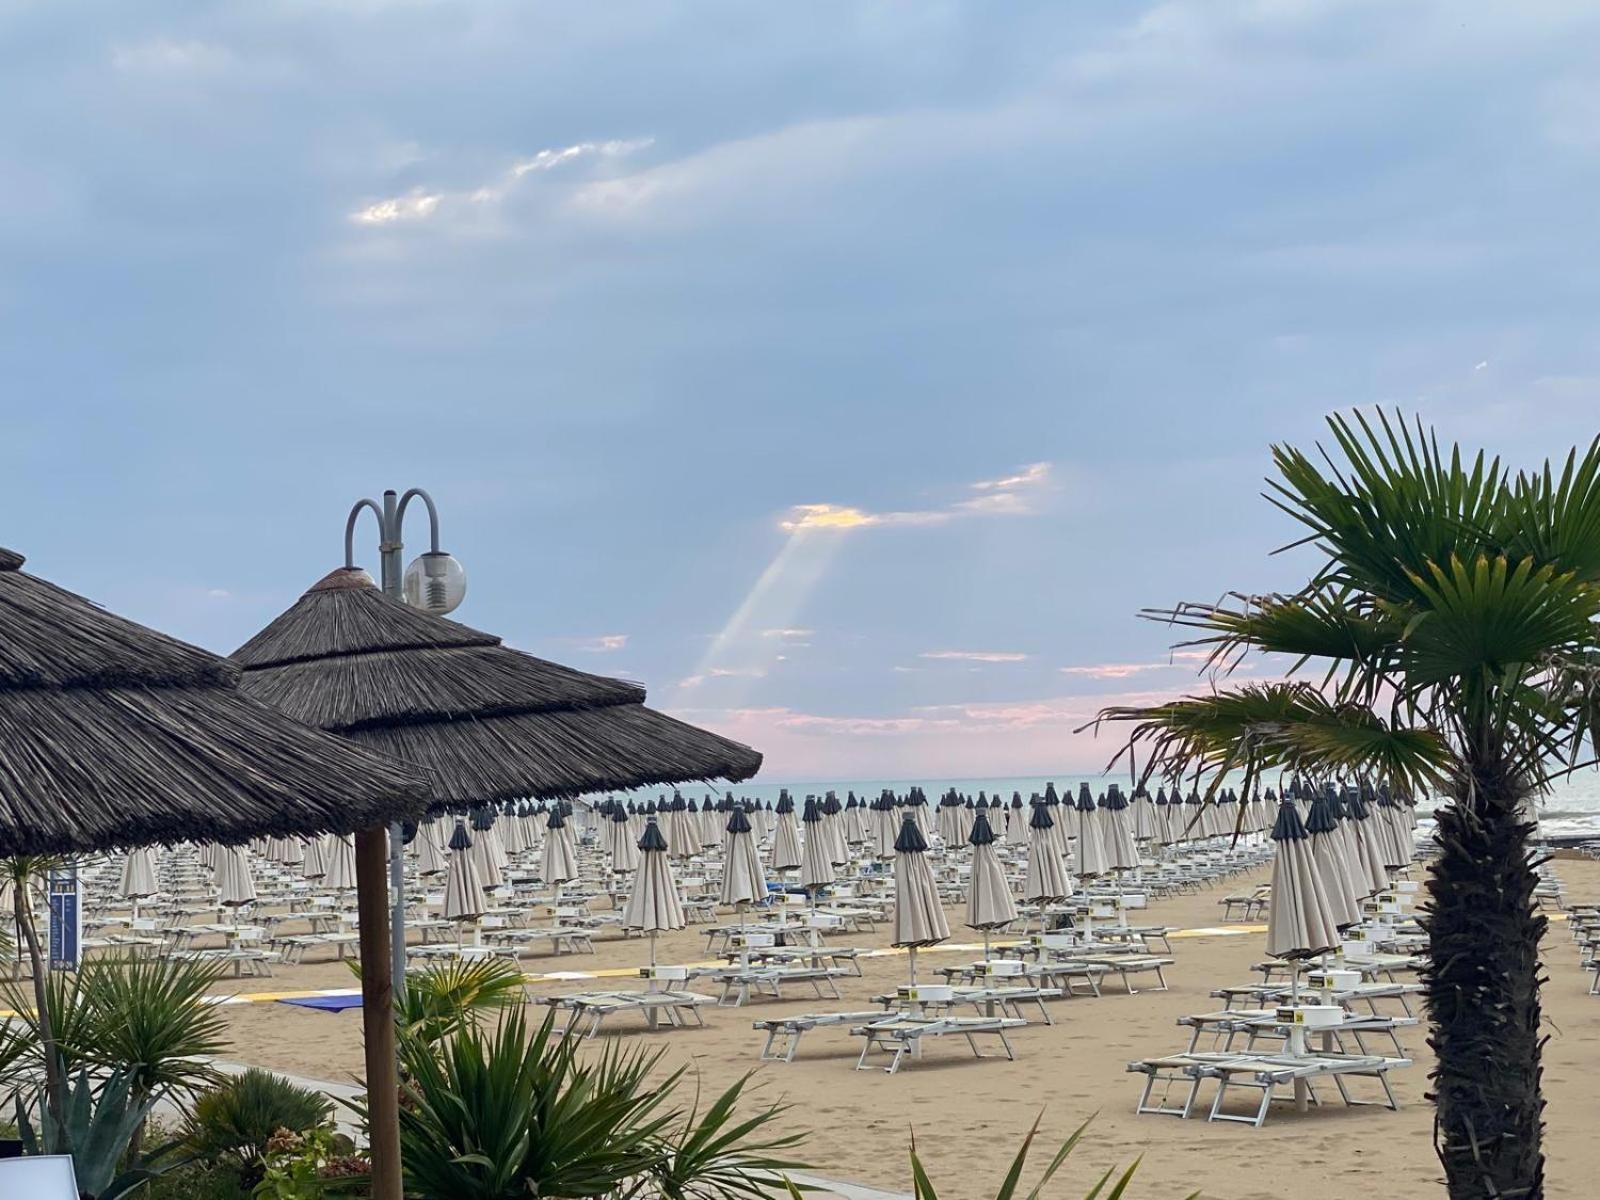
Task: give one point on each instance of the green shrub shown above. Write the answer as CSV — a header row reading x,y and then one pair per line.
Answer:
x,y
239,1117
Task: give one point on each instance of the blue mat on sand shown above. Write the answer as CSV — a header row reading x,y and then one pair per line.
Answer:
x,y
326,1003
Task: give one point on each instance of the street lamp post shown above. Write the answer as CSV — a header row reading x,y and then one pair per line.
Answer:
x,y
436,583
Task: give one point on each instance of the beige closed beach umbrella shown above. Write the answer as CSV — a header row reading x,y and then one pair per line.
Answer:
x,y
138,876
559,862
653,906
481,832
1045,880
743,881
989,903
1301,920
430,850
786,853
139,873
1117,828
918,914
1093,861
315,866
624,842
1327,852
464,899
816,870
339,856
235,887
885,827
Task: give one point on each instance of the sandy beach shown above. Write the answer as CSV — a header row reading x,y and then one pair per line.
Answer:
x,y
970,1116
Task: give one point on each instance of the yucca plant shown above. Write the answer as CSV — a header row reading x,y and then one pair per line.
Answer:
x,y
923,1187
496,1114
150,1018
1446,639
722,1155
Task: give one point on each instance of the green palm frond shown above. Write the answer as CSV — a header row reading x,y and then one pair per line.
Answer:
x,y
1289,726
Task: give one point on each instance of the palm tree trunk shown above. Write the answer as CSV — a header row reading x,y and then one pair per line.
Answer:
x,y
1482,990
23,910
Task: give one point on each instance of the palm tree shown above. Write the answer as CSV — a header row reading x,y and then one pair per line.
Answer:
x,y
22,874
1446,640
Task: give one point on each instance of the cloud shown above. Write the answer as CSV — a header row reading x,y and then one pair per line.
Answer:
x,y
415,205
420,204
1011,496
788,635
983,656
1031,475
699,677
165,56
604,643
1115,670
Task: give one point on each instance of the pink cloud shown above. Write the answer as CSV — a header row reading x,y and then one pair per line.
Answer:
x,y
983,656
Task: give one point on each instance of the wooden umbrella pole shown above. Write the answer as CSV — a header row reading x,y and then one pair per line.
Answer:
x,y
377,1012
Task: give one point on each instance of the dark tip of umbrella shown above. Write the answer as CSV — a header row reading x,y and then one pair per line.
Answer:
x,y
910,840
408,832
1041,818
619,816
482,819
812,814
738,822
981,834
1288,827
652,839
557,820
459,839
1320,817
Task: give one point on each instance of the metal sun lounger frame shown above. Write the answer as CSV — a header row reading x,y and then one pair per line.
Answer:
x,y
595,1007
902,1034
784,1033
1262,1072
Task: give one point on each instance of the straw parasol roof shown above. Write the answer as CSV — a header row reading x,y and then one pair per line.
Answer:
x,y
485,722
112,734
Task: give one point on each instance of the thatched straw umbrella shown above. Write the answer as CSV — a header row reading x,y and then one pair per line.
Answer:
x,y
484,722
114,735
487,723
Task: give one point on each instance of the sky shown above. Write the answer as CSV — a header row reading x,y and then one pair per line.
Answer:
x,y
850,374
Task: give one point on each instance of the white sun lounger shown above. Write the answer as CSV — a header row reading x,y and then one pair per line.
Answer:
x,y
1264,1073
738,983
784,1033
902,1035
989,1001
660,1009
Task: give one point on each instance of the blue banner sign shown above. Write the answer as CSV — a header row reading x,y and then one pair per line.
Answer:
x,y
66,919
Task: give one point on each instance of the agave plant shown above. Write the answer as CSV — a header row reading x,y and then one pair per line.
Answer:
x,y
95,1128
1451,632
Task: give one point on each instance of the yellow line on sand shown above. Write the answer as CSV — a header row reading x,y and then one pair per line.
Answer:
x,y
633,972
